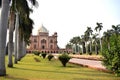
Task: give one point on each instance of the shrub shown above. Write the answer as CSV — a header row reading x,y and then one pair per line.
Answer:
x,y
50,56
43,55
112,56
80,53
73,53
64,58
90,53
36,53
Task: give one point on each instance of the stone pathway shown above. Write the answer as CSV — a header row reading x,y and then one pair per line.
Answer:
x,y
89,63
95,64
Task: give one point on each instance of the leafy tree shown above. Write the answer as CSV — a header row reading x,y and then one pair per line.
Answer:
x,y
112,56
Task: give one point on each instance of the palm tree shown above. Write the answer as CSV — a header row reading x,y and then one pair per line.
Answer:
x,y
89,34
95,42
106,37
83,44
18,6
3,34
99,28
75,41
116,29
16,32
26,25
10,43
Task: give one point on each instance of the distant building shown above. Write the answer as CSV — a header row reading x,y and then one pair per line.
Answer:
x,y
44,43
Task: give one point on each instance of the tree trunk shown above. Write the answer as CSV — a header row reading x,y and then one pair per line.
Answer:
x,y
96,48
24,49
19,45
3,34
100,42
10,44
86,47
90,46
16,39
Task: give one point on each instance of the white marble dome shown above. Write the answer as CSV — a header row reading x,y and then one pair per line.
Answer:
x,y
43,29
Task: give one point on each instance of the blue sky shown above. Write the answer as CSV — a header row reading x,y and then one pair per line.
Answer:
x,y
70,18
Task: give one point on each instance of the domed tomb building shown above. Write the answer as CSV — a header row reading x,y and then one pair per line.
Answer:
x,y
43,42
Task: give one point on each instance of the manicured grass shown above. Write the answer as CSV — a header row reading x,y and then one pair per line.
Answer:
x,y
42,69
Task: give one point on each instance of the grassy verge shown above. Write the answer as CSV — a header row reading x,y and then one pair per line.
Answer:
x,y
30,69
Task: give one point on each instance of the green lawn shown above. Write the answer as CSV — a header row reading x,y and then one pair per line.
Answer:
x,y
29,69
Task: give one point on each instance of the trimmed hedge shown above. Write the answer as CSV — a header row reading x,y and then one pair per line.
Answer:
x,y
36,53
64,58
50,56
43,55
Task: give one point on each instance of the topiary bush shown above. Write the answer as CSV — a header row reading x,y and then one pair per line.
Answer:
x,y
43,55
36,53
50,56
64,58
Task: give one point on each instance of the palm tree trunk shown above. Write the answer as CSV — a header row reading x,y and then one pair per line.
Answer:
x,y
10,44
19,45
16,39
100,42
86,47
3,34
96,48
90,46
24,48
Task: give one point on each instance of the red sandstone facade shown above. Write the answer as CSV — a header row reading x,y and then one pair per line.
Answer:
x,y
45,43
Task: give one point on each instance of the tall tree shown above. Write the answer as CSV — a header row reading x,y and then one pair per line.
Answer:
x,y
11,30
17,6
95,42
111,58
75,41
116,29
89,34
3,34
106,37
99,28
22,13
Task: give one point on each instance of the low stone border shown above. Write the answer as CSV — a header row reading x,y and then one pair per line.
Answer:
x,y
99,69
88,57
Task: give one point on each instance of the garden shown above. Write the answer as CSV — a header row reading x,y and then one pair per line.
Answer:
x,y
33,67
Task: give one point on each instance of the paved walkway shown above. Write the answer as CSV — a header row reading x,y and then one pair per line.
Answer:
x,y
95,64
89,63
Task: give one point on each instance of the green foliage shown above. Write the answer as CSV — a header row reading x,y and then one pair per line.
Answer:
x,y
50,56
36,53
47,70
64,58
112,56
43,55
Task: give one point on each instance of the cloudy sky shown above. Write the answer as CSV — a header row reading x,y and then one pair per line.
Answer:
x,y
70,18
